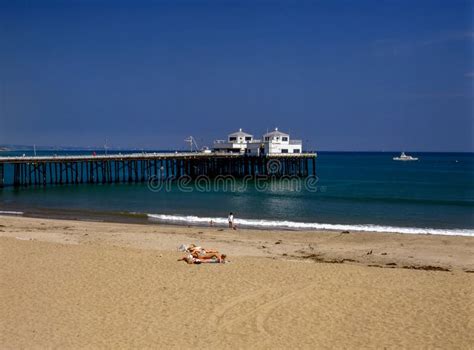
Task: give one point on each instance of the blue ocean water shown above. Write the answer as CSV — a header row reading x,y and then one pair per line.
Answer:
x,y
358,191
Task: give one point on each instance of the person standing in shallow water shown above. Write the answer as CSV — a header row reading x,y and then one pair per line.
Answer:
x,y
231,220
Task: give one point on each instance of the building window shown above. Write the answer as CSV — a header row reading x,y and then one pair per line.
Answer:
x,y
284,138
296,150
284,150
248,138
232,138
267,138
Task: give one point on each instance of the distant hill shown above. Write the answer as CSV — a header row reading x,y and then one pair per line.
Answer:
x,y
14,147
23,148
8,147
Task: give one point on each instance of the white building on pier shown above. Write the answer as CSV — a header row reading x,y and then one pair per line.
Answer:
x,y
274,142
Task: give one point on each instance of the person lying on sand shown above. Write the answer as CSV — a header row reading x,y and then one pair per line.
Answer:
x,y
209,259
200,250
206,255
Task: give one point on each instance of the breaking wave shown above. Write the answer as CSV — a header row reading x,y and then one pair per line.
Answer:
x,y
269,224
10,212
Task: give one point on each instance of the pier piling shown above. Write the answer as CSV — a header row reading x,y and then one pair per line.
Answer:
x,y
135,168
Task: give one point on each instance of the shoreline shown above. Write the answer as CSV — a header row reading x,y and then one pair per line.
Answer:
x,y
373,249
247,224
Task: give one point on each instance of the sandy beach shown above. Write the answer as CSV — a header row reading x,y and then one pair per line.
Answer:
x,y
79,284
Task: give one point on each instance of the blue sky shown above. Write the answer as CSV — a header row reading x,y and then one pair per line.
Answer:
x,y
341,75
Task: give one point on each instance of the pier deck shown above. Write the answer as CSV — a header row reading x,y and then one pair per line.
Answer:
x,y
140,167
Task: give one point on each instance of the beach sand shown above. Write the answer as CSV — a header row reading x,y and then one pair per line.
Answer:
x,y
76,284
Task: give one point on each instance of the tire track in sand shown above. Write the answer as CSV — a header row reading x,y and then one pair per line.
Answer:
x,y
259,314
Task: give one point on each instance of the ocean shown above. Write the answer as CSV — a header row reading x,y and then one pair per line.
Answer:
x,y
357,191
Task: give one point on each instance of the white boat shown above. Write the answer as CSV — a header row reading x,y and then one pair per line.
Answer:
x,y
404,157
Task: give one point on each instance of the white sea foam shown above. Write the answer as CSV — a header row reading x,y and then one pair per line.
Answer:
x,y
218,221
9,212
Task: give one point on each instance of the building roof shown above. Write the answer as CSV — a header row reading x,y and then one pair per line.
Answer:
x,y
239,133
275,133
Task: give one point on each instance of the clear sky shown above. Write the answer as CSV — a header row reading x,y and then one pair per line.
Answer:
x,y
341,75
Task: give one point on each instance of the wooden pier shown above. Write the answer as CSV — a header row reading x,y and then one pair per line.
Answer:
x,y
140,167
